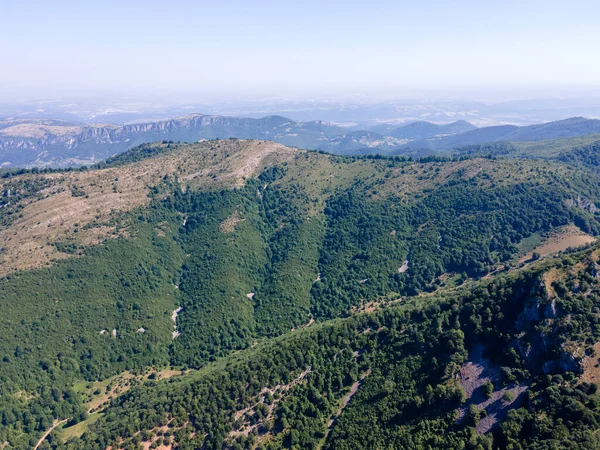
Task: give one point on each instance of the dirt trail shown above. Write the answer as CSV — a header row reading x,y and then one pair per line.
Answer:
x,y
47,433
347,399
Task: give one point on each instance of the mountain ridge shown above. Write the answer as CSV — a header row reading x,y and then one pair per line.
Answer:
x,y
47,143
174,260
571,127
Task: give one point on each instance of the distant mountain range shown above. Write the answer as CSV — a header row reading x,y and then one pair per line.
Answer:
x,y
422,129
52,143
575,126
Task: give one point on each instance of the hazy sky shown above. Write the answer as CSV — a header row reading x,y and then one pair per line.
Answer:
x,y
252,48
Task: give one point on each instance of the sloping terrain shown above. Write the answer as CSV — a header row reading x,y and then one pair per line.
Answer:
x,y
393,378
247,241
572,127
43,143
422,130
48,143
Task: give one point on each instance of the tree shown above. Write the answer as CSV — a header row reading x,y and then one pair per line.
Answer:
x,y
488,389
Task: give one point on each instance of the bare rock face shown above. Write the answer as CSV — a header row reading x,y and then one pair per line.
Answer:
x,y
538,342
582,203
566,363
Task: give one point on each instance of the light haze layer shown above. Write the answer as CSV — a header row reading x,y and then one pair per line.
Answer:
x,y
235,48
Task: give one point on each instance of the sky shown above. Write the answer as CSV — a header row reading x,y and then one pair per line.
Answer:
x,y
249,49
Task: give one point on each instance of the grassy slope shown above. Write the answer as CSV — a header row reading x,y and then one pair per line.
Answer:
x,y
288,231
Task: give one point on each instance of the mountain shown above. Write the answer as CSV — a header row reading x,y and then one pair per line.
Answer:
x,y
361,143
241,293
576,126
422,130
51,143
445,373
42,143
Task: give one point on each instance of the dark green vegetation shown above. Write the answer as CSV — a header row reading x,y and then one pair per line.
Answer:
x,y
580,151
408,358
313,238
52,320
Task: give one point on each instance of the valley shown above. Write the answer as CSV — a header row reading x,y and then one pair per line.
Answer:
x,y
240,293
299,225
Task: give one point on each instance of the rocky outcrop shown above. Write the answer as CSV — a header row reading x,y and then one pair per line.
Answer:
x,y
582,203
537,340
65,141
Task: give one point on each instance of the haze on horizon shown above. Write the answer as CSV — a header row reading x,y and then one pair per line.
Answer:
x,y
237,49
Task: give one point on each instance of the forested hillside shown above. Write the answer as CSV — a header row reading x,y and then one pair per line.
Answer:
x,y
560,129
396,378
205,258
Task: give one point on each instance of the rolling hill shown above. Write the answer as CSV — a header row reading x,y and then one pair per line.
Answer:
x,y
422,130
295,299
576,126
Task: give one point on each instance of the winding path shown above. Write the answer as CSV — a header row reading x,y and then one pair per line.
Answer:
x,y
54,425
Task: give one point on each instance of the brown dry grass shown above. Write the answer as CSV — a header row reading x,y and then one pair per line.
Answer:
x,y
568,236
591,367
57,215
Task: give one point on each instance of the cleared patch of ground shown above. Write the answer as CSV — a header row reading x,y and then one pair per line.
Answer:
x,y
229,224
98,394
353,390
174,315
473,376
79,428
564,238
372,305
591,366
404,267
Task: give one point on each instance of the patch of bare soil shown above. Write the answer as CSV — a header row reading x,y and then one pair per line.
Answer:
x,y
404,267
591,366
174,315
353,390
374,304
229,224
473,376
548,280
569,236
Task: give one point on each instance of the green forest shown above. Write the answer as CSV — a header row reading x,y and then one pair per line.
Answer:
x,y
315,310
